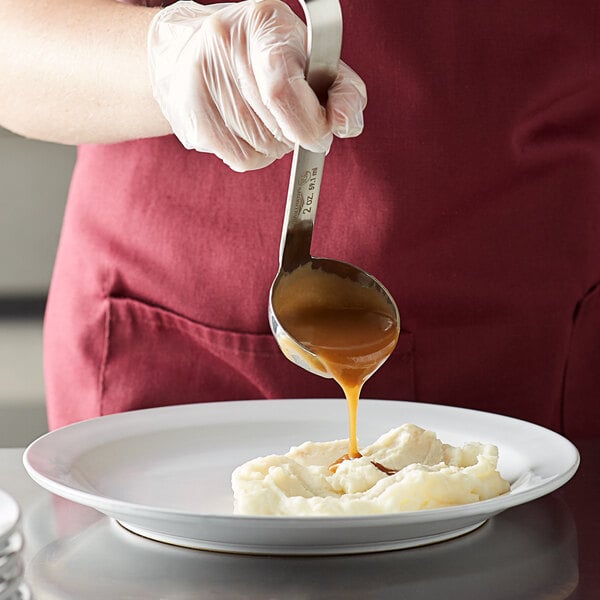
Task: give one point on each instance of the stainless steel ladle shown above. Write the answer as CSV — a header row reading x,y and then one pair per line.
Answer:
x,y
324,24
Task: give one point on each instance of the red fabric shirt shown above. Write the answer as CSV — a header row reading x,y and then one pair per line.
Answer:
x,y
473,194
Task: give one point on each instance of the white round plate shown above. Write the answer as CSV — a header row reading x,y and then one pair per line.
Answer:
x,y
9,517
165,473
11,570
12,545
14,590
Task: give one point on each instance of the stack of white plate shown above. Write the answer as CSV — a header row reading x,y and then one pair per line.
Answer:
x,y
12,586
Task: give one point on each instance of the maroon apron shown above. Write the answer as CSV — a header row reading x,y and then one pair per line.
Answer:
x,y
473,194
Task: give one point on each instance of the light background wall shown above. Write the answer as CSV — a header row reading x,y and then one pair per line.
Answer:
x,y
34,180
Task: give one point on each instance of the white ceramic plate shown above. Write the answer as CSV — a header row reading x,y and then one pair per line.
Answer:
x,y
9,518
165,473
11,570
15,590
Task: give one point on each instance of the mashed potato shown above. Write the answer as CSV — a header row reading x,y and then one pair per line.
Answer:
x,y
406,469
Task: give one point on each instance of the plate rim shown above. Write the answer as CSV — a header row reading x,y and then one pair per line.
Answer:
x,y
488,507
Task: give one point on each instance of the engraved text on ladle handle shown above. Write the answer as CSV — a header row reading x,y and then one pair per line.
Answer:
x,y
324,26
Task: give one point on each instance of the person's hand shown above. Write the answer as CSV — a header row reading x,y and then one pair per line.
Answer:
x,y
229,78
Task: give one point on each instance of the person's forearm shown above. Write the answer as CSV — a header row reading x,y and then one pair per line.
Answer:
x,y
75,71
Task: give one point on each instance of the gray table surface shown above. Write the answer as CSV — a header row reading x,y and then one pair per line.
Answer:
x,y
548,548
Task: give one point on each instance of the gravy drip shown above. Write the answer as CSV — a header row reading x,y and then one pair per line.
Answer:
x,y
350,328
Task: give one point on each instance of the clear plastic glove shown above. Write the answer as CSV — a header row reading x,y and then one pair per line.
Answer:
x,y
229,78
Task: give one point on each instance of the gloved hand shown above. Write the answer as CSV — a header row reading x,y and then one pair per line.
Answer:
x,y
229,78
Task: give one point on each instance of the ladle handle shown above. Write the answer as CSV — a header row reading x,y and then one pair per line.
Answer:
x,y
324,26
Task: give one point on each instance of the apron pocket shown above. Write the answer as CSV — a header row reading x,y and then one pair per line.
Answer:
x,y
154,357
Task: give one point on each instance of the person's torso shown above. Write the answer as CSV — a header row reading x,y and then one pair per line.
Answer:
x,y
473,195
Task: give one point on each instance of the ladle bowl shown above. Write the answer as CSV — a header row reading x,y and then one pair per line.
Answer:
x,y
293,349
